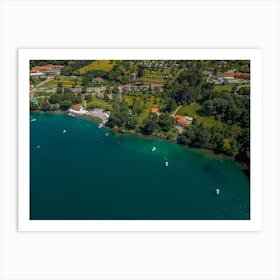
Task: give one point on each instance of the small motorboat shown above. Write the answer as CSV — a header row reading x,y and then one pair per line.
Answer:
x,y
33,120
107,134
64,131
166,164
217,191
153,149
38,146
100,125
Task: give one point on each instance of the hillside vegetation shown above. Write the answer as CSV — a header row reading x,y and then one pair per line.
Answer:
x,y
105,65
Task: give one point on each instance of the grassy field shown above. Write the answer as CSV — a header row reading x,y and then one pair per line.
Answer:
x,y
128,99
153,77
145,114
98,103
221,88
228,87
66,83
98,65
193,110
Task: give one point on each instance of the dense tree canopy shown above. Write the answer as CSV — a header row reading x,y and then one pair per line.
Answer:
x,y
149,127
165,122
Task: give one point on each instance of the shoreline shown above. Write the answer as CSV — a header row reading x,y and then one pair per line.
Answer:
x,y
206,152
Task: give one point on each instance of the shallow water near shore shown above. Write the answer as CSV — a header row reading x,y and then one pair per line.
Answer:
x,y
84,175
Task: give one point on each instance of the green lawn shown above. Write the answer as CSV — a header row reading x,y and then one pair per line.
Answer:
x,y
192,110
223,88
99,103
98,65
153,77
128,99
66,83
147,111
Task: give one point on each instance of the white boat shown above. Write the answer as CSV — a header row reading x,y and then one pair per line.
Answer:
x,y
166,163
153,149
64,131
100,125
217,191
38,147
33,120
107,134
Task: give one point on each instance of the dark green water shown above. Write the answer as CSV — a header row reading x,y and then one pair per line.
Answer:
x,y
84,175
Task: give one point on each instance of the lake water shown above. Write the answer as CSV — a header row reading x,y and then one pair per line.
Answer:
x,y
84,175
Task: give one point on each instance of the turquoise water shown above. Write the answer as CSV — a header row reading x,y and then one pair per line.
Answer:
x,y
84,175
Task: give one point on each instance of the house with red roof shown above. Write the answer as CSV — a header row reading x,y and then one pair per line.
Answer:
x,y
244,76
183,120
126,87
154,110
155,87
229,73
77,109
97,80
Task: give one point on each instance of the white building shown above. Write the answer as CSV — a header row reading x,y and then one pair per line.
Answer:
x,y
77,109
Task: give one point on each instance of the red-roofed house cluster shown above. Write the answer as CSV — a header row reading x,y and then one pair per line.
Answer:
x,y
237,75
244,76
40,70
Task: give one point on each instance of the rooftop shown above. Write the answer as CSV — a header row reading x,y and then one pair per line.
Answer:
x,y
155,86
98,79
76,107
182,120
